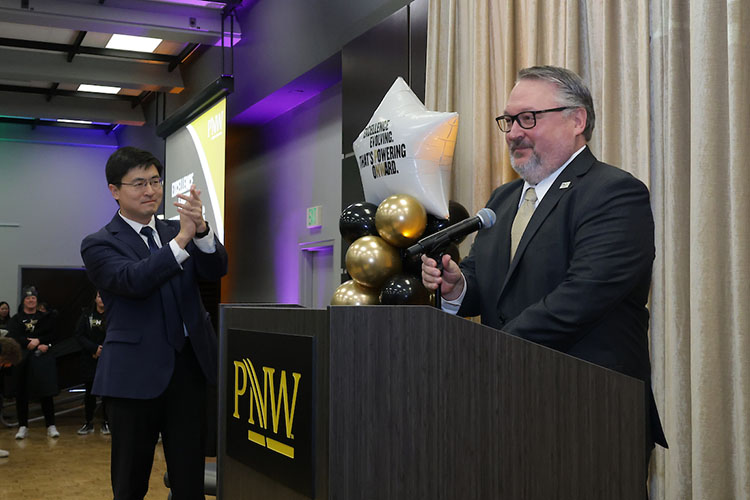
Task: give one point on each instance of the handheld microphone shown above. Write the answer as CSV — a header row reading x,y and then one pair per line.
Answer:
x,y
484,218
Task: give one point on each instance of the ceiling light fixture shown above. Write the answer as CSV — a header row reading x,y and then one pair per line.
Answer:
x,y
100,89
134,43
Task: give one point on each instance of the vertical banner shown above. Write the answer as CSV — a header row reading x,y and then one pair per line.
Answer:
x,y
196,155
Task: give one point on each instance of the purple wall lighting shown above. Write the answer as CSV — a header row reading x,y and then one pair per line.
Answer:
x,y
229,40
291,95
287,209
288,138
289,142
196,3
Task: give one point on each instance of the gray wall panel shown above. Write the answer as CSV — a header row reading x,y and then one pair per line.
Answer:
x,y
275,172
57,194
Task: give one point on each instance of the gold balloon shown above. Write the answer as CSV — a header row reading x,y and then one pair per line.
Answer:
x,y
371,261
400,220
350,293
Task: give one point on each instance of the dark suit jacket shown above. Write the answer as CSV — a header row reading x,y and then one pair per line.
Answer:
x,y
580,278
137,359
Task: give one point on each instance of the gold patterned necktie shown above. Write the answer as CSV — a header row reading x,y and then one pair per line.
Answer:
x,y
523,215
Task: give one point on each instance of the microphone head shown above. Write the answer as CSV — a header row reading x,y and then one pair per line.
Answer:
x,y
487,217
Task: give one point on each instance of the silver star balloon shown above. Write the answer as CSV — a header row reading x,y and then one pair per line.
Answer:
x,y
407,149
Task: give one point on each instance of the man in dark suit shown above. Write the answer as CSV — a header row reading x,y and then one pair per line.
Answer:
x,y
160,350
568,263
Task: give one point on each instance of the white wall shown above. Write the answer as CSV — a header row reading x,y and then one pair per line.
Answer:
x,y
56,193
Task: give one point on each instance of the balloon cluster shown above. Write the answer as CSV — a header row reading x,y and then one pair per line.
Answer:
x,y
380,271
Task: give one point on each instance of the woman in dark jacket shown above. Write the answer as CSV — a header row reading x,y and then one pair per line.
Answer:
x,y
90,333
37,372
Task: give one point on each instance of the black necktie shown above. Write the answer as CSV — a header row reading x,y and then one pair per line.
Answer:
x,y
176,332
149,234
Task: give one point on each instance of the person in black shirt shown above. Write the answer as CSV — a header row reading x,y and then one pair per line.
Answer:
x,y
37,372
90,333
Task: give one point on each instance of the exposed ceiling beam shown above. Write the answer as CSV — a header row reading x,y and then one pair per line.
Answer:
x,y
189,49
76,47
24,65
71,107
69,93
168,21
143,98
52,92
34,122
95,51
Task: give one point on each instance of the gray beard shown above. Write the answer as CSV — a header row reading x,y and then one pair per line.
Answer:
x,y
532,171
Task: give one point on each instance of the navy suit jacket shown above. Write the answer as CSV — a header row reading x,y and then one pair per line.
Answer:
x,y
139,289
580,278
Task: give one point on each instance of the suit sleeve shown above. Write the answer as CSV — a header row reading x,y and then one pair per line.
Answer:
x,y
115,268
613,251
209,266
470,305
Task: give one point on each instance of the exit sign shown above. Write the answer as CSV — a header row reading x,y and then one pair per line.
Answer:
x,y
313,217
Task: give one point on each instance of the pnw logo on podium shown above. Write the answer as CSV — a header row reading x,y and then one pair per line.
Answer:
x,y
269,392
268,409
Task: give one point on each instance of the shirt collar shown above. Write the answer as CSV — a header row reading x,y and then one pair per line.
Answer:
x,y
546,183
137,226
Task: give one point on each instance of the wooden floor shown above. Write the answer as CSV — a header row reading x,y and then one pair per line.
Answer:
x,y
71,467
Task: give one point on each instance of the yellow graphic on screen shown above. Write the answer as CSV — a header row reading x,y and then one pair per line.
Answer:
x,y
273,392
208,132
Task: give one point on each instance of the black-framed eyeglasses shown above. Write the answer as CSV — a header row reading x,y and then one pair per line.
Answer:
x,y
140,184
525,119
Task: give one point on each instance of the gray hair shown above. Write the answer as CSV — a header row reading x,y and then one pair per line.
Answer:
x,y
572,90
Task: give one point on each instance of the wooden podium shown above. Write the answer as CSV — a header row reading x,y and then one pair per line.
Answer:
x,y
407,402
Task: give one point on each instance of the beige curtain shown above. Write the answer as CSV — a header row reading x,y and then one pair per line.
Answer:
x,y
671,86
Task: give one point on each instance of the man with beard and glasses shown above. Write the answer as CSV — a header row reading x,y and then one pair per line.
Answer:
x,y
568,262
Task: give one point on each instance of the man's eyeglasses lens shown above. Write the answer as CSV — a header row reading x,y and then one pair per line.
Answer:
x,y
526,119
155,183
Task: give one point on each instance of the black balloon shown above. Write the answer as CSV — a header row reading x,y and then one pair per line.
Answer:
x,y
434,225
411,265
357,220
457,213
404,289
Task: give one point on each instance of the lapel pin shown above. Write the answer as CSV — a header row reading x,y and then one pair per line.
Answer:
x,y
565,185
